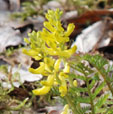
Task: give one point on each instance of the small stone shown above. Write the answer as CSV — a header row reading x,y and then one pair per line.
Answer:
x,y
52,5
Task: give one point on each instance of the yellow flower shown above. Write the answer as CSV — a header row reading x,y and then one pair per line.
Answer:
x,y
67,53
49,81
63,90
49,61
66,68
63,86
69,29
66,109
62,74
62,53
47,36
30,52
49,26
57,65
38,70
42,91
75,83
47,44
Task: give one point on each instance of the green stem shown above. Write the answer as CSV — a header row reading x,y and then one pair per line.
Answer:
x,y
105,79
19,106
71,104
91,99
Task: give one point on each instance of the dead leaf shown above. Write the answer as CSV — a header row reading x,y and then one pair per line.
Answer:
x,y
90,36
19,93
9,37
54,112
87,18
20,77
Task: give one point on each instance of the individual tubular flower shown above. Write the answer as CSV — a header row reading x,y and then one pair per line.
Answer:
x,y
63,86
70,29
67,53
42,91
49,81
39,70
66,109
63,89
66,68
49,63
57,65
75,83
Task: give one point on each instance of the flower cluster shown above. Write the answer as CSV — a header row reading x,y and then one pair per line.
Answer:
x,y
49,47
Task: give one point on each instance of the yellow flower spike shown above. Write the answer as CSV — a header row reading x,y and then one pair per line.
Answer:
x,y
75,83
57,65
63,90
49,81
70,29
66,109
42,91
46,44
39,70
66,68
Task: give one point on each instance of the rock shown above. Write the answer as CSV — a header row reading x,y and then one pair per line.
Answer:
x,y
3,5
70,14
52,5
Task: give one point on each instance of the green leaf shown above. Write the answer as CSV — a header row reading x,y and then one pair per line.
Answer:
x,y
83,99
101,101
77,76
86,108
109,110
96,60
92,84
79,89
98,89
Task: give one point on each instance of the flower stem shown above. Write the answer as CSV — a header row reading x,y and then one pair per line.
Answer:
x,y
107,82
71,104
91,99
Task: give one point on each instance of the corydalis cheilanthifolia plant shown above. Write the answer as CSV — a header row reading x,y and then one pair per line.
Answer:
x,y
46,45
